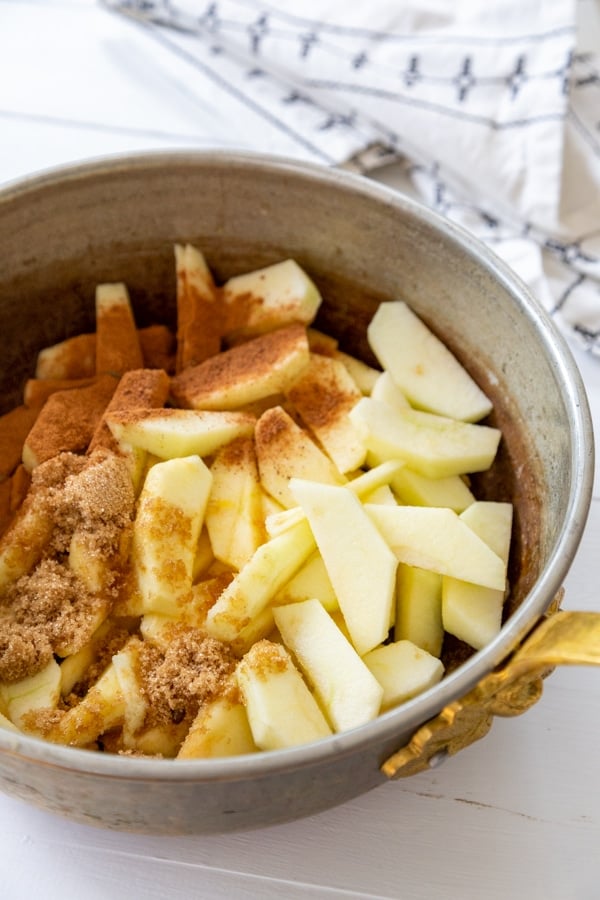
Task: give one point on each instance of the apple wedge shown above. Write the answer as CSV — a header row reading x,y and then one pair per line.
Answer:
x,y
285,450
323,395
234,514
102,708
220,728
385,390
117,343
364,376
437,539
344,686
263,576
269,298
260,367
403,670
422,366
166,529
360,564
310,581
419,608
469,611
170,433
39,691
281,710
434,446
199,309
418,490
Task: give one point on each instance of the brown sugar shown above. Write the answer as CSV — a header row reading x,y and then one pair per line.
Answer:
x,y
194,670
49,608
67,421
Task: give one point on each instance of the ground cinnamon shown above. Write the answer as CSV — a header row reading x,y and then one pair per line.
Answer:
x,y
67,421
138,389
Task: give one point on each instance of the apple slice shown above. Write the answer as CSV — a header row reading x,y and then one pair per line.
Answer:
x,y
364,376
281,710
418,490
403,670
432,445
469,611
263,576
269,298
166,530
234,515
256,369
323,395
385,390
39,691
102,708
117,343
422,366
419,608
169,433
310,581
437,539
285,450
220,728
75,357
360,564
199,310
343,684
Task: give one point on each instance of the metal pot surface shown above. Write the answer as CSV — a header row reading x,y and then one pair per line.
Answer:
x,y
117,220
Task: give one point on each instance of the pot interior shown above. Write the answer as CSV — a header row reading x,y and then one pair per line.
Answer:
x,y
118,221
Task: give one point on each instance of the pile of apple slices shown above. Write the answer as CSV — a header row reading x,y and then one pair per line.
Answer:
x,y
310,511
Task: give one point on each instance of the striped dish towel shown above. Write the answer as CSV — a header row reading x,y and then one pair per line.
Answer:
x,y
490,111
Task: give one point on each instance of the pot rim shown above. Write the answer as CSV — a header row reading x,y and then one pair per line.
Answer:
x,y
413,713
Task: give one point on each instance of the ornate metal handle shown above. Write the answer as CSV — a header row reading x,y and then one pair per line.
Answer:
x,y
561,638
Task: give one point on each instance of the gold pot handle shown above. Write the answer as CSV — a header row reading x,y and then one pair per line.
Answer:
x,y
561,638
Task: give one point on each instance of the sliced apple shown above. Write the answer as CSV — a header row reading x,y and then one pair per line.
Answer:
x,y
418,490
310,581
323,395
437,539
220,728
263,576
342,683
269,298
422,366
364,376
360,564
403,670
39,691
419,608
117,343
281,710
260,367
166,530
385,390
432,445
199,309
285,450
234,515
169,433
469,611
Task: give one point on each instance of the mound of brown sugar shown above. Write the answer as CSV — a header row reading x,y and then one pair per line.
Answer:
x,y
50,607
194,670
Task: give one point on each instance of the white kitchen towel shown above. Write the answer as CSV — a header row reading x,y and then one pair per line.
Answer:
x,y
491,109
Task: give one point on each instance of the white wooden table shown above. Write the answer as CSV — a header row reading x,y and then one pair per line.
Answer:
x,y
516,815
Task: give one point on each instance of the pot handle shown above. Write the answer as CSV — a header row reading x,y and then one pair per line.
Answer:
x,y
560,638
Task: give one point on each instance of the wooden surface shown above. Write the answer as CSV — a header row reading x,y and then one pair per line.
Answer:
x,y
516,815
